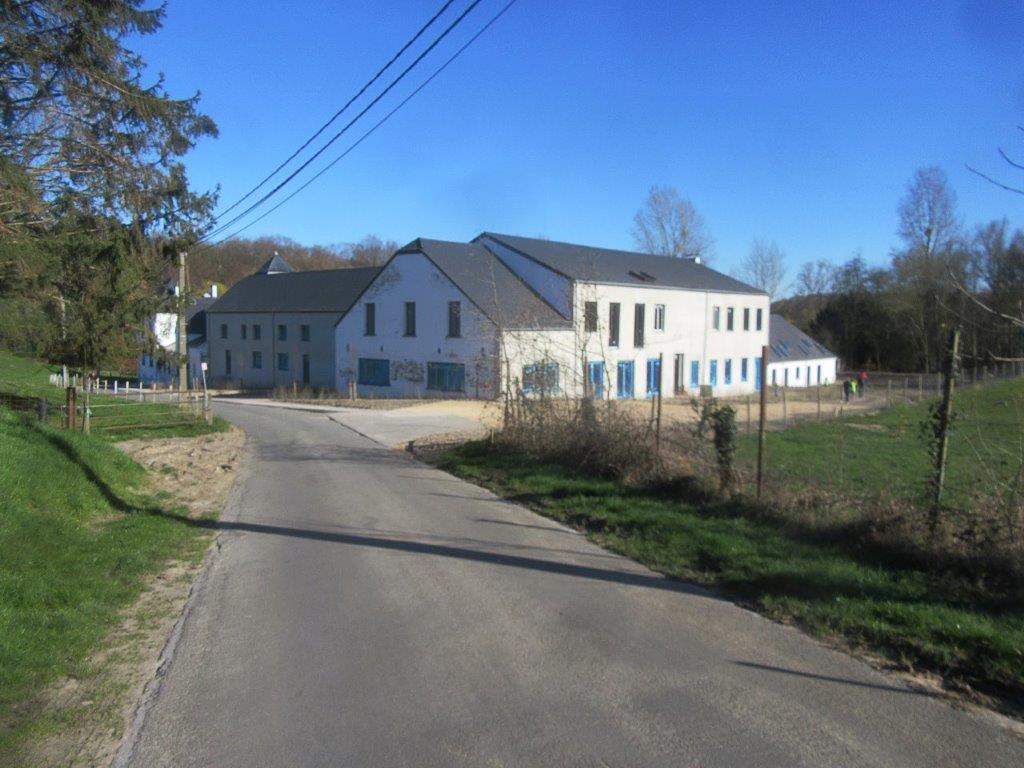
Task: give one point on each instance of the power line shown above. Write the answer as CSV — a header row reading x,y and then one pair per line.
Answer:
x,y
352,122
377,125
337,114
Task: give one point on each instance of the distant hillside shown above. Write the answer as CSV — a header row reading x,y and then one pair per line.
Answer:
x,y
228,262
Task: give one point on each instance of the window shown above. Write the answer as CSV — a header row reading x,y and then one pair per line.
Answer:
x,y
257,332
694,374
728,371
638,325
653,376
245,330
257,360
374,372
223,330
540,378
371,319
282,333
227,362
613,324
729,317
819,374
758,323
679,375
282,361
798,373
716,318
775,378
625,380
746,318
595,376
590,316
410,318
659,317
446,377
744,370
713,376
304,332
455,320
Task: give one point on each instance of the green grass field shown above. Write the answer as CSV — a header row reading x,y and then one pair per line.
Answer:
x,y
116,418
922,619
79,533
885,451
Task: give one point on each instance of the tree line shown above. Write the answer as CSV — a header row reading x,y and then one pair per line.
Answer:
x,y
897,317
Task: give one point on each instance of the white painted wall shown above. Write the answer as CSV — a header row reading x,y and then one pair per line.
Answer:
x,y
320,348
413,277
803,373
688,330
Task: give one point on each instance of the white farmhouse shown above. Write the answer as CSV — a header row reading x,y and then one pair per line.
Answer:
x,y
797,360
157,363
507,312
276,327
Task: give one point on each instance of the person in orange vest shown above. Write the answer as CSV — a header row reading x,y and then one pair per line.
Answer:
x,y
862,383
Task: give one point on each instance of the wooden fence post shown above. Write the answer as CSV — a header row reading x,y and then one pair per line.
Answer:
x,y
657,421
819,402
72,404
785,410
750,425
762,419
945,416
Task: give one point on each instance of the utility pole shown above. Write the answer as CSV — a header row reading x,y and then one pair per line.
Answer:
x,y
182,330
763,419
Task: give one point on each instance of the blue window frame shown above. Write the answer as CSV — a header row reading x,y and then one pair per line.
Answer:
x,y
728,371
625,380
819,374
446,377
757,374
744,371
653,376
374,372
713,374
595,375
540,378
694,374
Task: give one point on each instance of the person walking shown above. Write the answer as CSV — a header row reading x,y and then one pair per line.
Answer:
x,y
853,387
847,388
862,382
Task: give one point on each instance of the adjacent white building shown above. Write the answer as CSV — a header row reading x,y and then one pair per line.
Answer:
x,y
797,360
157,363
504,312
276,327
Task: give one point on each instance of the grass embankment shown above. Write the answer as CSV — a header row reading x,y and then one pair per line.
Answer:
x,y
79,534
832,586
117,418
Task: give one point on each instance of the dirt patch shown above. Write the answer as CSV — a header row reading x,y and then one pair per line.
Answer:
x,y
95,712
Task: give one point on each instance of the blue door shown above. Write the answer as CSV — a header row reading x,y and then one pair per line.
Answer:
x,y
694,374
757,375
713,379
595,376
625,380
653,376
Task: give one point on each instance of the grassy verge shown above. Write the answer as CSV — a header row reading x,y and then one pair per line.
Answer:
x,y
918,619
115,418
79,534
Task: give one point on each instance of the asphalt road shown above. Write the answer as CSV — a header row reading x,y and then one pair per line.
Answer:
x,y
366,610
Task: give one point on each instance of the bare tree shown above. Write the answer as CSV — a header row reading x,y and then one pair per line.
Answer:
x,y
815,278
764,267
371,251
669,225
927,212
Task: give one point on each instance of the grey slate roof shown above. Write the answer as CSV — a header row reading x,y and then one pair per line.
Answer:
x,y
275,264
489,284
321,290
603,265
787,343
195,317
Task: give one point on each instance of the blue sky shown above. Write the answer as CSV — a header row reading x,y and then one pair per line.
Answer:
x,y
797,122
